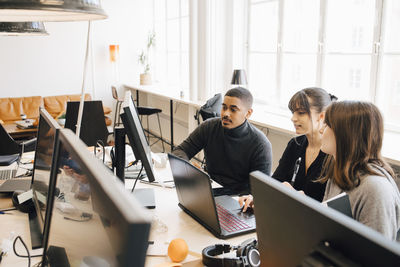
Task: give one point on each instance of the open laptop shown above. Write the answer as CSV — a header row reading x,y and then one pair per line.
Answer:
x,y
14,178
221,215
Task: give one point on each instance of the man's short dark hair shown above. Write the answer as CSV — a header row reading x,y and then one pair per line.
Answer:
x,y
243,94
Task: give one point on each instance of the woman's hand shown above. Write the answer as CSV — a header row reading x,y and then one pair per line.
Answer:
x,y
246,202
290,186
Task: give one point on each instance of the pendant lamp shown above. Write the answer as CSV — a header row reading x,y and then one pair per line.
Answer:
x,y
50,10
22,28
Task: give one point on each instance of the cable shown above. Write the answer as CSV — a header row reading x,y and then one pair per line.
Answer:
x,y
29,256
132,163
85,217
137,178
99,143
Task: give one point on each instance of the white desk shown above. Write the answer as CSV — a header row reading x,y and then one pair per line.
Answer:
x,y
179,224
18,223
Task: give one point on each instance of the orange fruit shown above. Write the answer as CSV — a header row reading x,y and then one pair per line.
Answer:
x,y
178,250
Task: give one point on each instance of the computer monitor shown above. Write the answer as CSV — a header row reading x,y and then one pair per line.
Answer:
x,y
295,230
94,221
46,146
93,125
135,133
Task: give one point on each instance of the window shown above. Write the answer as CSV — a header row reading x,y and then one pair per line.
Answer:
x,y
348,47
171,25
388,91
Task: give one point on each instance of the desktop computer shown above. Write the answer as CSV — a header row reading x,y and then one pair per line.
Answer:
x,y
93,221
46,148
134,130
296,230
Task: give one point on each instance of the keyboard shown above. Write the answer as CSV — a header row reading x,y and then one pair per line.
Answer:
x,y
230,222
7,174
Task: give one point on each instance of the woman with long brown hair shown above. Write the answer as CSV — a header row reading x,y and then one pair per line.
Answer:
x,y
352,137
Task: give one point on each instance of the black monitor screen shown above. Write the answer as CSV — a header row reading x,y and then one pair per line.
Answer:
x,y
94,221
135,133
45,147
296,230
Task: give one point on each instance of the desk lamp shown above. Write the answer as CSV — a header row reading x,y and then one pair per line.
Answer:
x,y
239,77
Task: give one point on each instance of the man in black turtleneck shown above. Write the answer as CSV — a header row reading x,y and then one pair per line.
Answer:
x,y
232,146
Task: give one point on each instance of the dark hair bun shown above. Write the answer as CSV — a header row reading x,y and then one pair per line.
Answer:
x,y
333,97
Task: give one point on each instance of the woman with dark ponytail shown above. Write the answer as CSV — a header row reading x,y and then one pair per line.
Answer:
x,y
301,163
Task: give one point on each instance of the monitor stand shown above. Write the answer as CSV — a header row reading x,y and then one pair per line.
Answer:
x,y
36,233
57,256
145,196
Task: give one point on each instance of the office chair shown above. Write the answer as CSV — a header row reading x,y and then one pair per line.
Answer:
x,y
93,125
8,146
148,111
142,111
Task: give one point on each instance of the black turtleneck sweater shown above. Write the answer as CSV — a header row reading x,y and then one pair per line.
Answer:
x,y
231,154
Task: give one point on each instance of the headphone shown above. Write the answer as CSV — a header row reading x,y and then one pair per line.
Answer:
x,y
247,255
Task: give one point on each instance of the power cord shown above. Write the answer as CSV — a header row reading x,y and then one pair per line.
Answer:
x,y
29,256
84,217
137,178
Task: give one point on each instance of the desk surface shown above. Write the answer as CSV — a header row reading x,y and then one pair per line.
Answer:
x,y
17,133
167,213
180,224
170,94
12,224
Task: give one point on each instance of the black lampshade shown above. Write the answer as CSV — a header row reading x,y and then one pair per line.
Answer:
x,y
50,10
22,28
239,77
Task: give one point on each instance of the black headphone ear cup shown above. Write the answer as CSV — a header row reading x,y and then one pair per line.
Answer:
x,y
253,256
25,207
248,252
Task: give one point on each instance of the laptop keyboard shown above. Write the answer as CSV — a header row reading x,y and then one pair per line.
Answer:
x,y
230,222
7,174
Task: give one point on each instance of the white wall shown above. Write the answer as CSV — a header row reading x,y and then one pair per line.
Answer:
x,y
53,64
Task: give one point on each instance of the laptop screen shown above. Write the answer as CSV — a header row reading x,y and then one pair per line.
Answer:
x,y
194,191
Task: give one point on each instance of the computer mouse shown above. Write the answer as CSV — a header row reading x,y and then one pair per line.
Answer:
x,y
249,210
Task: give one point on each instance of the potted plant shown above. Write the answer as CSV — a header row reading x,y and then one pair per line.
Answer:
x,y
145,77
61,118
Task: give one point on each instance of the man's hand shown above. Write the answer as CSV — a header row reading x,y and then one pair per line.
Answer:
x,y
245,202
